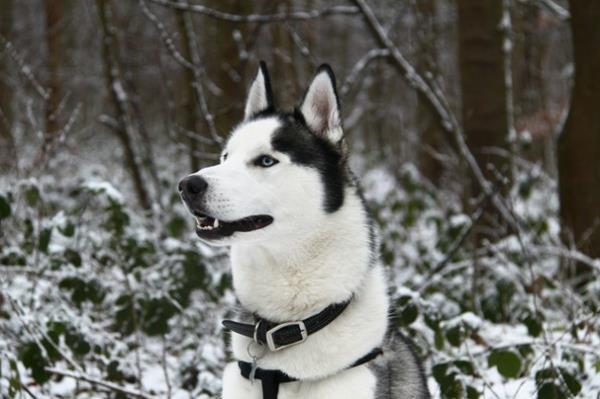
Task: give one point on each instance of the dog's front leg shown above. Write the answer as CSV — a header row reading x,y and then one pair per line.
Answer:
x,y
237,387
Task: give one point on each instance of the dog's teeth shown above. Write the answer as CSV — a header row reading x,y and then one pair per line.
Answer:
x,y
216,223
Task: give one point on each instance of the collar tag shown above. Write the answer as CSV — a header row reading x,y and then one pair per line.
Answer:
x,y
253,371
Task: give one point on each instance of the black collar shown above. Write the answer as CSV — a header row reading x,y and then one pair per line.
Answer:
x,y
271,379
278,336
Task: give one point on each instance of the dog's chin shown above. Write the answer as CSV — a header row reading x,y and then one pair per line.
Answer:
x,y
219,232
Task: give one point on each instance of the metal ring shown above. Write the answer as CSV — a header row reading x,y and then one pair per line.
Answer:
x,y
256,332
256,356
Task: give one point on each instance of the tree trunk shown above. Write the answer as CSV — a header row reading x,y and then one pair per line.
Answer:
x,y
7,143
579,143
190,117
226,69
428,128
54,20
485,111
125,129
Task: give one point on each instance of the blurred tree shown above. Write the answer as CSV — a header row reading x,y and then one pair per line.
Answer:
x,y
579,143
190,119
54,48
124,126
7,143
227,67
485,110
428,127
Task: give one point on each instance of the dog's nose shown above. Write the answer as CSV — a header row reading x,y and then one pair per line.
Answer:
x,y
192,185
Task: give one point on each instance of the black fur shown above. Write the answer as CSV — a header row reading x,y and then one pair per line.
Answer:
x,y
268,89
306,148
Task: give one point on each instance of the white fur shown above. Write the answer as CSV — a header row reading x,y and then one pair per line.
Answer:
x,y
304,261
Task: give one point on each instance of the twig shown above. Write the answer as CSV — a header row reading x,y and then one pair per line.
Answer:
x,y
164,367
24,387
19,312
165,36
199,76
360,65
461,239
262,18
555,9
457,244
24,68
105,384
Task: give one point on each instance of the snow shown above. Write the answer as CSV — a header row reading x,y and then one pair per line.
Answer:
x,y
104,187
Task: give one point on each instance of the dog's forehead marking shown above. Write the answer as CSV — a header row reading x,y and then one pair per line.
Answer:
x,y
253,135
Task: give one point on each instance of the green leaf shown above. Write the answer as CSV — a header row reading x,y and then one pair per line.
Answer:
x,y
572,383
177,226
157,312
445,374
5,210
77,343
533,322
507,362
473,393
454,335
72,257
68,230
408,310
44,239
439,339
549,390
32,358
32,195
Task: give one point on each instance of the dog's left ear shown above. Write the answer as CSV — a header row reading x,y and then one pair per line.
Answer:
x,y
321,107
260,96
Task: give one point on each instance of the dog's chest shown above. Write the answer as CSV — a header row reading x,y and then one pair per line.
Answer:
x,y
355,383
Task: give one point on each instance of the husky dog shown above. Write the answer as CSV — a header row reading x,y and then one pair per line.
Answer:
x,y
303,257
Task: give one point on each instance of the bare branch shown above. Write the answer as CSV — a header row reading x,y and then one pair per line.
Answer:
x,y
555,9
199,75
96,381
262,18
360,66
24,68
165,36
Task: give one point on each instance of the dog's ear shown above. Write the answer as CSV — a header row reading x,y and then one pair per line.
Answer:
x,y
260,96
321,107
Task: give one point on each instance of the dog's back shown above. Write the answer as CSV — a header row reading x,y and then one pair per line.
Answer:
x,y
399,371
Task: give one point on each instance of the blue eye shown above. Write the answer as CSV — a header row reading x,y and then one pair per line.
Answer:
x,y
265,161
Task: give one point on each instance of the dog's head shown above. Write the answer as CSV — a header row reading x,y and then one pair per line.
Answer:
x,y
281,174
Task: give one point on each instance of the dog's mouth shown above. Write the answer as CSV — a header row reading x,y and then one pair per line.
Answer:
x,y
210,228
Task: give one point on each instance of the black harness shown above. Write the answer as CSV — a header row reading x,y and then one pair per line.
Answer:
x,y
271,379
278,336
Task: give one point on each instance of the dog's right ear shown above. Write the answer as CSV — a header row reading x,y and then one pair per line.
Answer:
x,y
260,96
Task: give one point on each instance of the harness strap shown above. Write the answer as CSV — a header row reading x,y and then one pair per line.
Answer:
x,y
270,379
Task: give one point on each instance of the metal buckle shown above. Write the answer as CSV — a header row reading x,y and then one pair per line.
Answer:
x,y
271,343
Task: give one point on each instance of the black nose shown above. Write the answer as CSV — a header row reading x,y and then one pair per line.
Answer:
x,y
192,185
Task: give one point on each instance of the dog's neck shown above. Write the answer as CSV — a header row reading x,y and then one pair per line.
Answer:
x,y
296,278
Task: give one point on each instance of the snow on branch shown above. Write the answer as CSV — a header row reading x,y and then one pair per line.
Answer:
x,y
24,68
555,9
102,383
265,18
